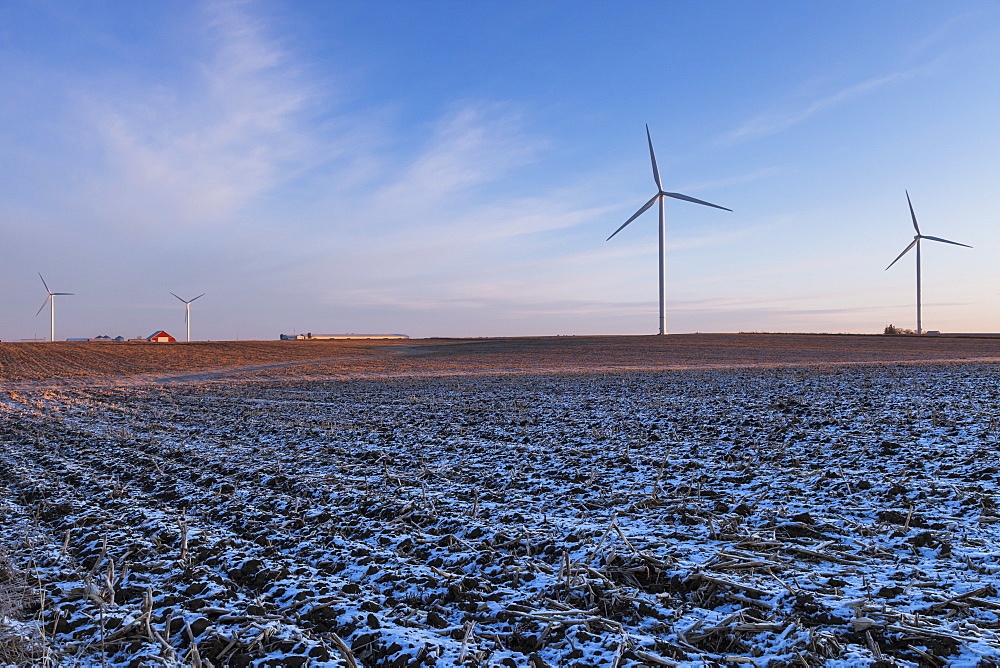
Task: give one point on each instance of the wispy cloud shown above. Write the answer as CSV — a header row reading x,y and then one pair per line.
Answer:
x,y
738,180
777,121
454,195
197,152
473,144
943,32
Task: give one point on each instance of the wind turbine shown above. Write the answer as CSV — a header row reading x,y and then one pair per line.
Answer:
x,y
916,243
187,312
658,198
51,301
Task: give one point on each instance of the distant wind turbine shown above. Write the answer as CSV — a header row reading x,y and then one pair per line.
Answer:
x,y
51,301
916,243
187,312
658,197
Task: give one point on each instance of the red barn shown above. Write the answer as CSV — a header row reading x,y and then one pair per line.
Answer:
x,y
161,337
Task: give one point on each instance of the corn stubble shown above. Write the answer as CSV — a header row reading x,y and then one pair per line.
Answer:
x,y
770,516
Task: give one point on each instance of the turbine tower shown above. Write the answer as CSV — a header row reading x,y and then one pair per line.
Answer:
x,y
658,198
51,301
187,312
916,244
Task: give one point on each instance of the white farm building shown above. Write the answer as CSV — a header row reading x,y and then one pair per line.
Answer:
x,y
331,337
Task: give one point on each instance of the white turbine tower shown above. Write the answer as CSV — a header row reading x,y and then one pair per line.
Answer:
x,y
51,301
187,312
916,243
658,197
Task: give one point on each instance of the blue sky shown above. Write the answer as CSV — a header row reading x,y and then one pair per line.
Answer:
x,y
454,168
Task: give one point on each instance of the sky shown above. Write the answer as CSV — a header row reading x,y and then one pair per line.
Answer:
x,y
452,168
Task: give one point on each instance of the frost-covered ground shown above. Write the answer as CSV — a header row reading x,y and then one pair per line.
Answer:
x,y
760,517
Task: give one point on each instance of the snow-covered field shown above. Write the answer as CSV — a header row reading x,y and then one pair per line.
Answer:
x,y
768,517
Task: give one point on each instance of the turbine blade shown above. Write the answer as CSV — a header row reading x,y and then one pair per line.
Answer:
x,y
60,293
44,283
43,305
912,215
945,241
905,251
696,201
652,159
635,215
178,297
200,296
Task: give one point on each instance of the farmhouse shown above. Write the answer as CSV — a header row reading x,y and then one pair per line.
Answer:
x,y
161,337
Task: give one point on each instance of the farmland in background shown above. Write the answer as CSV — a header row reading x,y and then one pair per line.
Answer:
x,y
90,362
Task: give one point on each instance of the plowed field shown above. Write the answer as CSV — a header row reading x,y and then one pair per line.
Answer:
x,y
757,500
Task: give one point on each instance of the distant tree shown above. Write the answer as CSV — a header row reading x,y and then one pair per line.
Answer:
x,y
892,329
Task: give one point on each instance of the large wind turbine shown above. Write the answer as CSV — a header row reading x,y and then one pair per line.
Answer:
x,y
51,301
658,198
916,244
187,312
